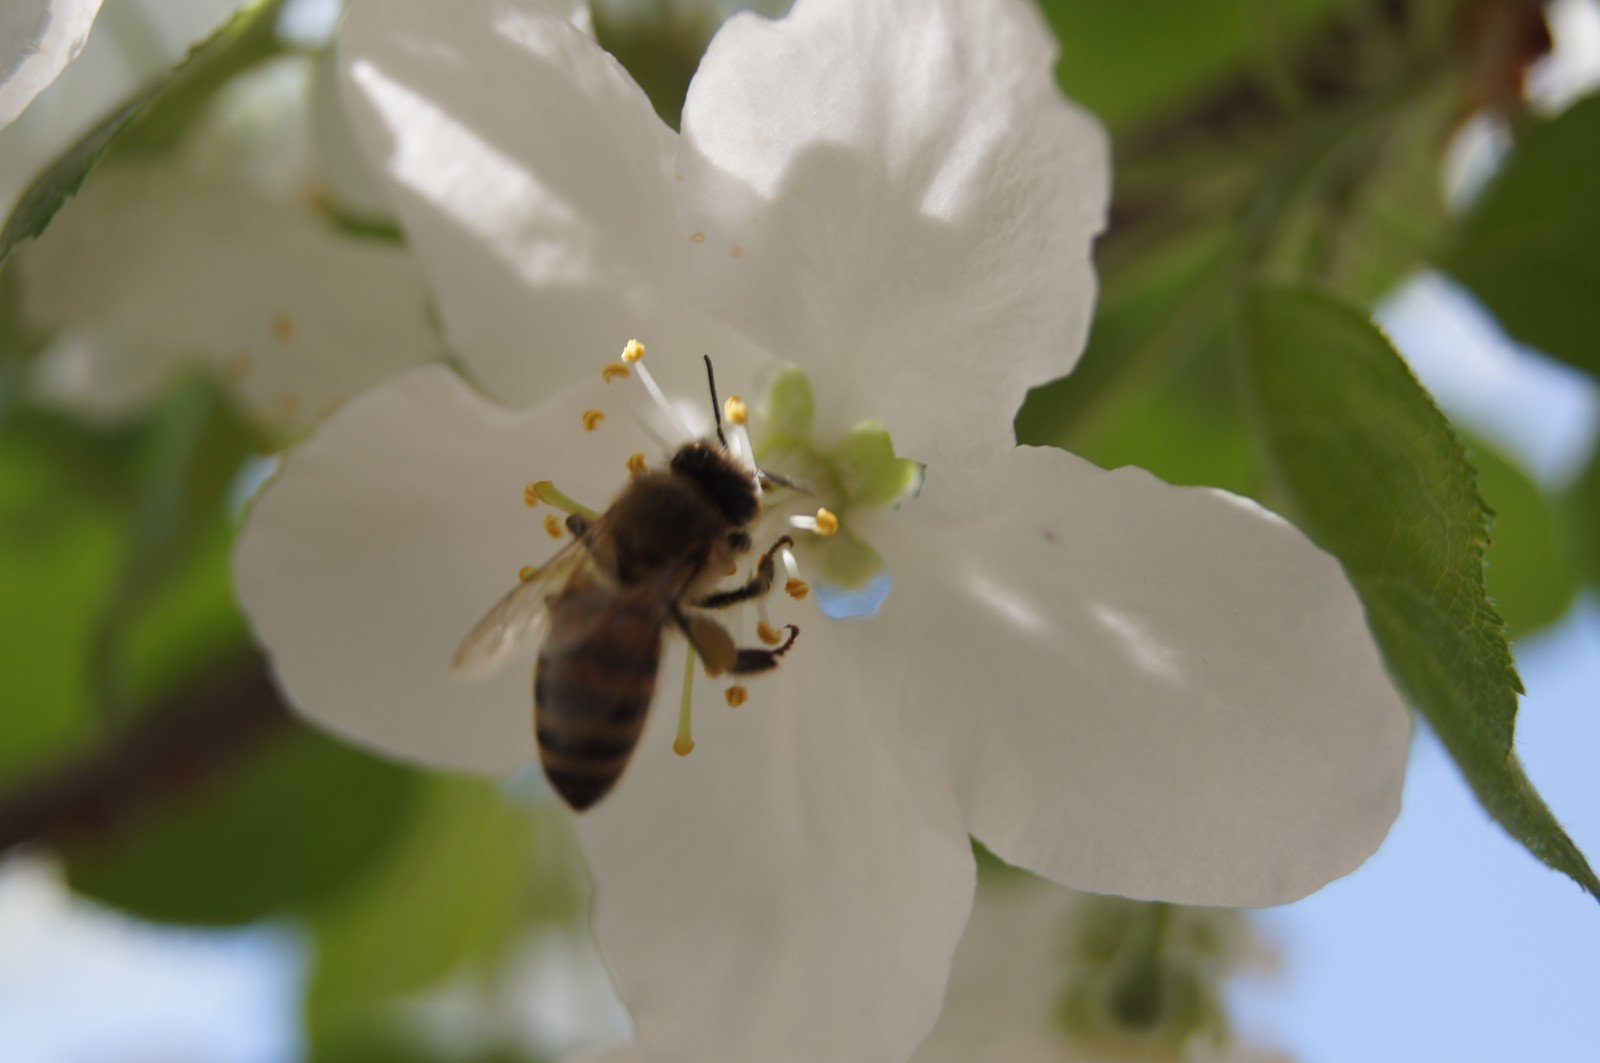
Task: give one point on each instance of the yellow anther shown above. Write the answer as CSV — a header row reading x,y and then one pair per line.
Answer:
x,y
797,589
736,411
530,496
737,696
768,634
636,464
527,572
592,419
614,371
683,746
552,525
827,523
633,352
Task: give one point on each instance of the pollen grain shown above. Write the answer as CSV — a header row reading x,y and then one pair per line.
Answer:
x,y
736,411
632,352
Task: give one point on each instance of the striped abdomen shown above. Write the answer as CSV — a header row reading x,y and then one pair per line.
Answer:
x,y
593,685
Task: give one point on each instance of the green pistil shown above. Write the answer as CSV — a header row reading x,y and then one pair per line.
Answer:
x,y
857,473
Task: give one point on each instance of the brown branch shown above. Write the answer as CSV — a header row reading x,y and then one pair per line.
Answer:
x,y
160,757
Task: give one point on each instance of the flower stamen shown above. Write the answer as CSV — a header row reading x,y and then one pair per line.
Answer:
x,y
794,586
592,419
683,745
633,355
553,526
737,695
545,491
768,634
527,572
824,523
636,464
614,371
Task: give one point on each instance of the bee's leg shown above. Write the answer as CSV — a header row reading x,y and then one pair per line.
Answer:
x,y
750,661
709,639
759,584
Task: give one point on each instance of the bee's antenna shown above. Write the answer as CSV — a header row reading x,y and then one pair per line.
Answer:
x,y
716,407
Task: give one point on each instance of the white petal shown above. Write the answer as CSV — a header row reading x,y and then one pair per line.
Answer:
x,y
534,180
388,534
1166,693
793,890
895,196
1008,969
160,266
38,38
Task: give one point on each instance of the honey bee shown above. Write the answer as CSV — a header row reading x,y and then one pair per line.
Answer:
x,y
652,559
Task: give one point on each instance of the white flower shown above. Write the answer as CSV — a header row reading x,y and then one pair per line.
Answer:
x,y
1123,686
38,38
1042,972
224,253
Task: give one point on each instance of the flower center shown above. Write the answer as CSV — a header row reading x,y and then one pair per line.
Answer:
x,y
850,476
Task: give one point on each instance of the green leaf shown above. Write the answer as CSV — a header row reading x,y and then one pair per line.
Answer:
x,y
153,120
194,451
1159,311
1373,473
1528,250
60,547
453,891
303,816
1531,575
1127,62
1581,507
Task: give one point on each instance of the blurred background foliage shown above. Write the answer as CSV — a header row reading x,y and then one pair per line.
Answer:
x,y
1281,167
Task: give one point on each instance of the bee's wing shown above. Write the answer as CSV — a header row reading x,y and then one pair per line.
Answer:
x,y
518,620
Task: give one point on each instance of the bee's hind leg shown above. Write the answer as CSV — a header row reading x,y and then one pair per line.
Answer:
x,y
751,661
757,586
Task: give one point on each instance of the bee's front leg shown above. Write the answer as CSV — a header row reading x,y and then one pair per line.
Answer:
x,y
757,586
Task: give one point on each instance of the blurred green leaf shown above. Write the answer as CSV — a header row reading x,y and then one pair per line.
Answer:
x,y
195,448
1127,62
1531,575
455,890
303,816
1582,507
60,546
1374,474
152,120
1528,248
660,44
1394,215
1157,311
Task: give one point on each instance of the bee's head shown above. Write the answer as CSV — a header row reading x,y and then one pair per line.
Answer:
x,y
729,485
